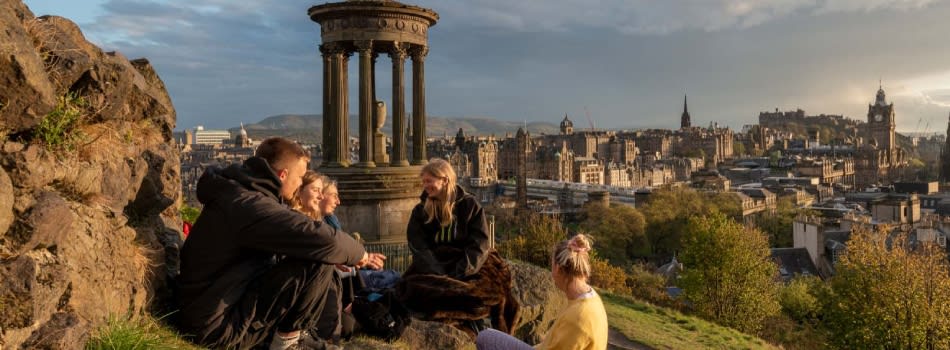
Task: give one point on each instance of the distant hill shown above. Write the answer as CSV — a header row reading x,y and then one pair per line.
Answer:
x,y
307,127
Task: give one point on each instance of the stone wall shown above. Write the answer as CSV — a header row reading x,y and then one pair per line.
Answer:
x,y
88,230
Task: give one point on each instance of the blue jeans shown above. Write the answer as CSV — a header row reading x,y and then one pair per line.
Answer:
x,y
491,339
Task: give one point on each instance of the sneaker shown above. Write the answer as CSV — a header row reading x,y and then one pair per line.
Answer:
x,y
310,342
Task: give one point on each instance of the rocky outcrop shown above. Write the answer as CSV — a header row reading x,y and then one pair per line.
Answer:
x,y
90,229
540,301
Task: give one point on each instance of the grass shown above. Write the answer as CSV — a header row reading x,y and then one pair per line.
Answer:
x,y
149,333
661,328
59,129
144,333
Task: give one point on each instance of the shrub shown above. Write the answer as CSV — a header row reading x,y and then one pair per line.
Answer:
x,y
189,214
797,299
608,277
59,129
536,240
650,286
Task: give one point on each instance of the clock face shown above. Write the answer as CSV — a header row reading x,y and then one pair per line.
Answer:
x,y
878,117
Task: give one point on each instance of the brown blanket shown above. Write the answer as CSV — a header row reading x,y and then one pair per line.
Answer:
x,y
445,299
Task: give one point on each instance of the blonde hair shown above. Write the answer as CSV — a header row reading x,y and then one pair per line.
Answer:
x,y
441,207
572,256
308,178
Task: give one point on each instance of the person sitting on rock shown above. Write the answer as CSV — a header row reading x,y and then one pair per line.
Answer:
x,y
583,324
454,275
252,268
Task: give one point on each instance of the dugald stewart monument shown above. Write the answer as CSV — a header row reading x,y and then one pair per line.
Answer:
x,y
382,187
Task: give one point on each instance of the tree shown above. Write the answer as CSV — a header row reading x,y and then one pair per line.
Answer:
x,y
778,225
667,211
619,232
798,300
729,277
535,240
889,294
738,148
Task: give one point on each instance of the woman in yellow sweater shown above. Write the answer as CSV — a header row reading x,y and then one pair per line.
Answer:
x,y
583,324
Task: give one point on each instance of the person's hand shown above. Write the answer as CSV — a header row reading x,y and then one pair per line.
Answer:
x,y
373,261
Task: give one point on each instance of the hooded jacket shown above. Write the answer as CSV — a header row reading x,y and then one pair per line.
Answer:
x,y
242,230
468,232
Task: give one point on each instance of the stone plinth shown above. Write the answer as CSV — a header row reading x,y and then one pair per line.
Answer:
x,y
377,202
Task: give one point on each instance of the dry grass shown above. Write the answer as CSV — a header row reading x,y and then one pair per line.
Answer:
x,y
116,140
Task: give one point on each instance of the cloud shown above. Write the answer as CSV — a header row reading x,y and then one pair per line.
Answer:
x,y
649,17
226,61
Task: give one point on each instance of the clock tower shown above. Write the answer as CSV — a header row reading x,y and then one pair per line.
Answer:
x,y
881,123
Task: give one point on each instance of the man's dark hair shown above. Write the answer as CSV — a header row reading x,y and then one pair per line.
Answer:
x,y
278,151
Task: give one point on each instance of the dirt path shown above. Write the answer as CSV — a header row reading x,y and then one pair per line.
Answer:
x,y
616,340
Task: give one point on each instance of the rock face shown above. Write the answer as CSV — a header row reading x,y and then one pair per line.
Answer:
x,y
540,300
89,231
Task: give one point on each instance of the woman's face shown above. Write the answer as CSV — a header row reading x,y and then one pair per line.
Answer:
x,y
310,195
331,199
434,186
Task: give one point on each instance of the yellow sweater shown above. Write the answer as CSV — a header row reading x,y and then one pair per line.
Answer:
x,y
581,326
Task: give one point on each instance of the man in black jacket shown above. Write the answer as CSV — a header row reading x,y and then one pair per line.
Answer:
x,y
252,267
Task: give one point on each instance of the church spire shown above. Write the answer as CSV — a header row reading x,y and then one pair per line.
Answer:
x,y
684,119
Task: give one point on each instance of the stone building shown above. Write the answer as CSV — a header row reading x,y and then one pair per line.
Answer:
x,y
588,170
553,162
829,171
617,174
654,141
880,161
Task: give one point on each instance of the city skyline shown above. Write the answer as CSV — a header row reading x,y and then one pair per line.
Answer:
x,y
627,62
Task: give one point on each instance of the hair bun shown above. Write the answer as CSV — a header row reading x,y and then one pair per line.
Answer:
x,y
579,244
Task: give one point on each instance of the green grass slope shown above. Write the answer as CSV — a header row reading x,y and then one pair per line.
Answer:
x,y
662,328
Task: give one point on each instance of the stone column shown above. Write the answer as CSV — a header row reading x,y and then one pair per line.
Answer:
x,y
398,56
344,109
367,105
337,151
328,114
419,105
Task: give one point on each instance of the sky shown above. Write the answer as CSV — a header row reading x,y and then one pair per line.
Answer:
x,y
625,63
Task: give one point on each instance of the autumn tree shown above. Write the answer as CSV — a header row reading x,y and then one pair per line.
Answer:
x,y
619,232
889,293
533,239
729,277
667,211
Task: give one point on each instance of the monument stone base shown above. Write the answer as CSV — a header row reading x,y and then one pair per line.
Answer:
x,y
377,202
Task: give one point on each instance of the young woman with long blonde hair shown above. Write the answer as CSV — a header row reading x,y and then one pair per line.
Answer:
x,y
446,216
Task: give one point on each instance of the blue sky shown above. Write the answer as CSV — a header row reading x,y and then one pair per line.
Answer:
x,y
627,61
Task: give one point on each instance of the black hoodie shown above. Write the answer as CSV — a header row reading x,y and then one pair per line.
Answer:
x,y
468,232
243,227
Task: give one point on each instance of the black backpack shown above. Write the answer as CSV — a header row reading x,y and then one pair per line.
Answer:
x,y
380,314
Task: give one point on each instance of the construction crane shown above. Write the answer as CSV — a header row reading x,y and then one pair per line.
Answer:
x,y
918,125
589,121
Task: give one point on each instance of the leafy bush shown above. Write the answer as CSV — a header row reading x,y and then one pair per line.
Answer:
x,y
797,299
59,129
650,286
609,277
189,214
535,241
